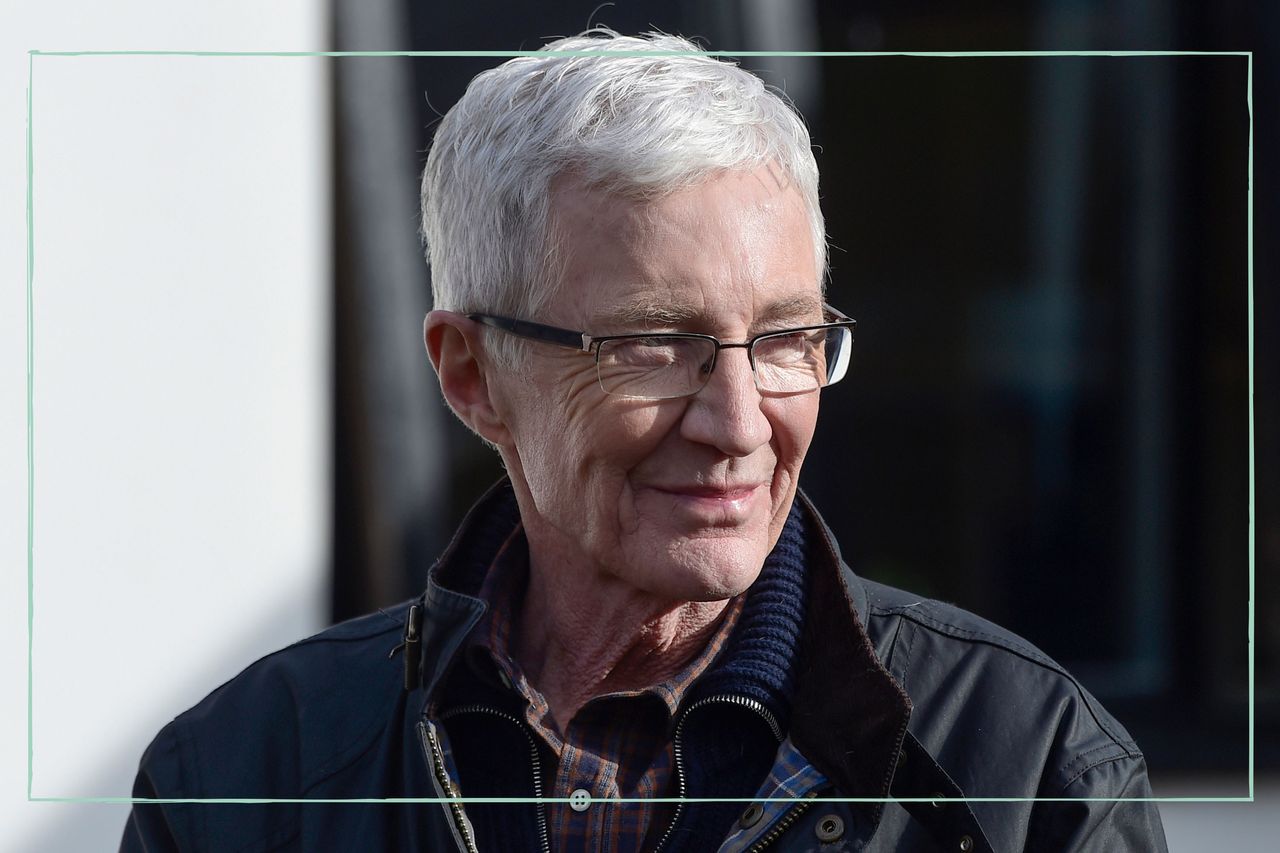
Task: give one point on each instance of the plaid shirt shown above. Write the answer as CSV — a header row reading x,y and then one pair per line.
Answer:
x,y
616,745
790,782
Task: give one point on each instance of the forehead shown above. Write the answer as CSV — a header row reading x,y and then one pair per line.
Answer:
x,y
735,251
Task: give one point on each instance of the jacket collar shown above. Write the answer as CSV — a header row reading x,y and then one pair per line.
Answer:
x,y
850,715
452,611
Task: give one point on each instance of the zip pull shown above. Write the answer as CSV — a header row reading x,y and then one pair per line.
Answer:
x,y
412,649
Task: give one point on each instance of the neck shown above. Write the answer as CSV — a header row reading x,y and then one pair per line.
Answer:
x,y
582,634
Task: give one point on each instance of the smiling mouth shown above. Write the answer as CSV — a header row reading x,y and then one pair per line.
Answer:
x,y
711,493
712,506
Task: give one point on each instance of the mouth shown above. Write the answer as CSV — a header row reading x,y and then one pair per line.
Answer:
x,y
720,506
717,493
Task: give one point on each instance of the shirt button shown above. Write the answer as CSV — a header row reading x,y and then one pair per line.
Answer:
x,y
829,829
579,800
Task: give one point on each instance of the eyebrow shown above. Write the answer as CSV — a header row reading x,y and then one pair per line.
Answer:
x,y
649,312
793,309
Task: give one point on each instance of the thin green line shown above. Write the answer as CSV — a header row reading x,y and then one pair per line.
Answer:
x,y
31,470
1249,190
470,800
641,53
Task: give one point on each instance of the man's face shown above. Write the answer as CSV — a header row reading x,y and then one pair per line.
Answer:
x,y
680,498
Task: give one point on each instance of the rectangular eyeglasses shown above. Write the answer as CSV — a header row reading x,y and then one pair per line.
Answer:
x,y
666,365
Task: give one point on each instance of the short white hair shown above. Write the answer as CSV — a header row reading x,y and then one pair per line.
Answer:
x,y
637,117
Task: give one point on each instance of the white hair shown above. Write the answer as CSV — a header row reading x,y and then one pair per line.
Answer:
x,y
637,117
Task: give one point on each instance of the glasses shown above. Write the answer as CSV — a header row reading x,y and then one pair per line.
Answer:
x,y
663,366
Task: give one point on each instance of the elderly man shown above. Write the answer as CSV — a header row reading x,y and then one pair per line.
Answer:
x,y
644,638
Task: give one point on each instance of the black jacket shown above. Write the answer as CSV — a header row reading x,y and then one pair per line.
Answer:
x,y
904,708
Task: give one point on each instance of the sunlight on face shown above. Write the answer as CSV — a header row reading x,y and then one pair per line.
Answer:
x,y
680,498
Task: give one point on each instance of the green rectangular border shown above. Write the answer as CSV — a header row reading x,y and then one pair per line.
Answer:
x,y
32,54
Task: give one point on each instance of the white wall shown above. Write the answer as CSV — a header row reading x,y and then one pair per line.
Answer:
x,y
181,357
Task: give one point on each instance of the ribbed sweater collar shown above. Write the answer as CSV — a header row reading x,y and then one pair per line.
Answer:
x,y
758,662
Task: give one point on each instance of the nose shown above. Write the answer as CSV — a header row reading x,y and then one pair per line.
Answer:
x,y
726,413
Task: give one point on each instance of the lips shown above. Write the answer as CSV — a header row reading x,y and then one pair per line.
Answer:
x,y
723,493
699,506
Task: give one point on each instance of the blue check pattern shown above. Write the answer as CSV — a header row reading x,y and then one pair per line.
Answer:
x,y
790,780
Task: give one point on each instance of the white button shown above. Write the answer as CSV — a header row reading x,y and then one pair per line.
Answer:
x,y
579,800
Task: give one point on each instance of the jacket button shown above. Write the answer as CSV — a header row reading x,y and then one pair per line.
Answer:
x,y
937,804
829,828
966,843
751,816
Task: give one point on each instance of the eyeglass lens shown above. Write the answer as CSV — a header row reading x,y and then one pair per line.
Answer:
x,y
663,366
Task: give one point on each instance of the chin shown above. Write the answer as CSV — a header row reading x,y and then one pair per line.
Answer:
x,y
711,569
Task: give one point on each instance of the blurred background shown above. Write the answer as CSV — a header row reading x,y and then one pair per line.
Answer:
x,y
1046,421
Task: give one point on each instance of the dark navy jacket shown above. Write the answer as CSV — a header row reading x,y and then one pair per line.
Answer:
x,y
910,704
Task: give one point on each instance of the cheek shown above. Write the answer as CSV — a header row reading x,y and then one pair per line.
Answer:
x,y
632,433
579,445
793,420
553,421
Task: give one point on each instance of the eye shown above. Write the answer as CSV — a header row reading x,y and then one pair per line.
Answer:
x,y
654,368
650,352
792,348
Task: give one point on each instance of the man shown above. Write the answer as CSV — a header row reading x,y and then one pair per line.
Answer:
x,y
644,638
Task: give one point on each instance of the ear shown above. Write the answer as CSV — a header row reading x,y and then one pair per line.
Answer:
x,y
455,345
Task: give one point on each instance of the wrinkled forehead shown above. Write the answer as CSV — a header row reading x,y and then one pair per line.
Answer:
x,y
732,251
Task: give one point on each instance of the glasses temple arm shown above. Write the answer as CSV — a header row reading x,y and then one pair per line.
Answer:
x,y
536,331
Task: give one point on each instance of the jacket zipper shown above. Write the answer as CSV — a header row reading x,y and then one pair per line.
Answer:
x,y
535,760
444,788
783,823
677,748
